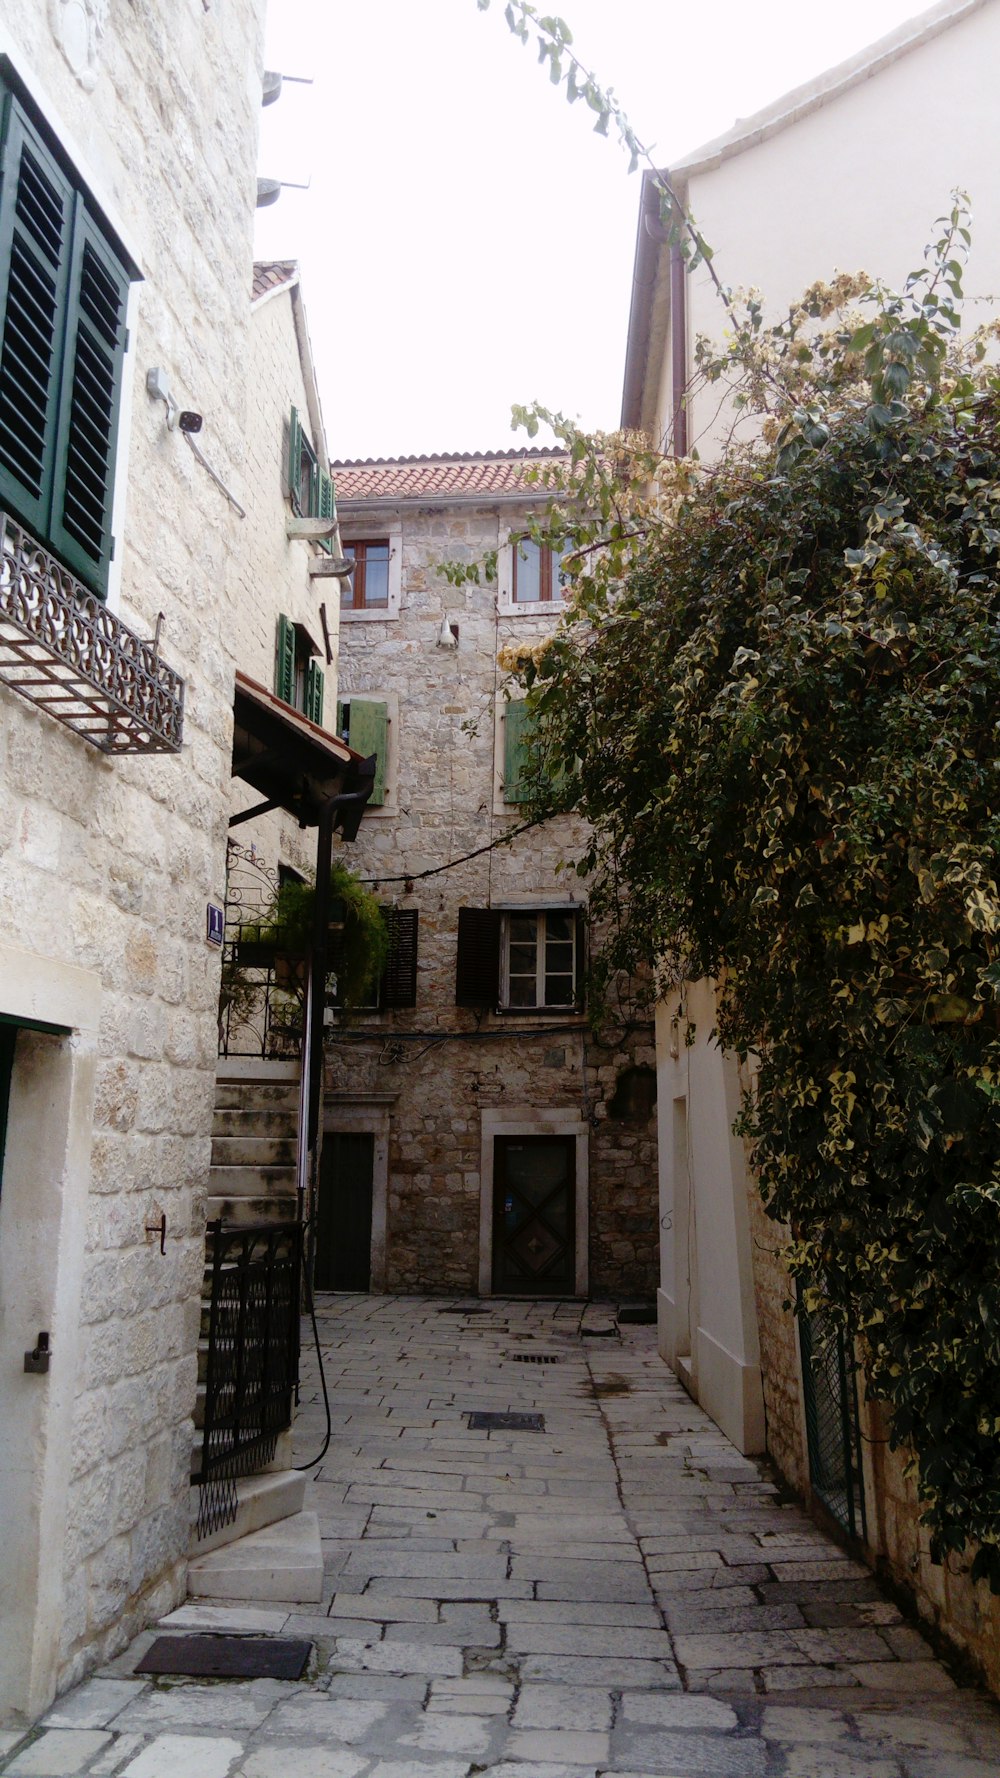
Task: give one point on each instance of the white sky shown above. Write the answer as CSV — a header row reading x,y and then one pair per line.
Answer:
x,y
467,241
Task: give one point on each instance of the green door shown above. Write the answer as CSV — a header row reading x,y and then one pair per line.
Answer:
x,y
344,1219
534,1215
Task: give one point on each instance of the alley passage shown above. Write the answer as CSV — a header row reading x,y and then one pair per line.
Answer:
x,y
620,1591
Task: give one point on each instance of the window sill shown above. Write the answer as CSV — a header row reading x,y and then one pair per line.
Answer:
x,y
378,614
537,608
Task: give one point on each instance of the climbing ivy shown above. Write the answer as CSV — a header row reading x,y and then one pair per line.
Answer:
x,y
776,700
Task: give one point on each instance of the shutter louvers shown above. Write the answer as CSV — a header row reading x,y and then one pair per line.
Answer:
x,y
314,693
88,420
36,230
517,729
295,461
399,978
327,507
284,661
370,734
477,971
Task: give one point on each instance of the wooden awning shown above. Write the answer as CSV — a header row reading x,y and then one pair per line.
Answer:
x,y
294,764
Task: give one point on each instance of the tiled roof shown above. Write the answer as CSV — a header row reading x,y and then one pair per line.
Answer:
x,y
451,473
268,274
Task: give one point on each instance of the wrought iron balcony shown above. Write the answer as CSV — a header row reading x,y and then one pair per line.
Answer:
x,y
66,652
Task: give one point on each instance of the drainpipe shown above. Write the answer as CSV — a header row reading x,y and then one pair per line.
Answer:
x,y
678,350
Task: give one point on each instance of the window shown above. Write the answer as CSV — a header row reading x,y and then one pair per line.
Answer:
x,y
519,959
310,489
536,572
368,590
64,283
524,775
397,985
298,680
364,724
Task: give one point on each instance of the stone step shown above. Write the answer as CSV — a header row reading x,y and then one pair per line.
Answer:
x,y
263,1500
251,1182
253,1151
256,1120
282,1562
255,1068
276,1207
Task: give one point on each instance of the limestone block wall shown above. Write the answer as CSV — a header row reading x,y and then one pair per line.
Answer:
x,y
448,1064
107,865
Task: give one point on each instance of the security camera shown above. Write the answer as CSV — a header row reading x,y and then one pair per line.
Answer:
x,y
189,422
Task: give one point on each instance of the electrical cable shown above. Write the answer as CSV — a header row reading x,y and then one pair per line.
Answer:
x,y
435,871
319,1360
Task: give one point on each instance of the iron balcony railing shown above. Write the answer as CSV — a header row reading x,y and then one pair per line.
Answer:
x,y
67,653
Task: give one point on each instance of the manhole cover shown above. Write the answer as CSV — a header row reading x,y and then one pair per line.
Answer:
x,y
533,1357
228,1657
490,1422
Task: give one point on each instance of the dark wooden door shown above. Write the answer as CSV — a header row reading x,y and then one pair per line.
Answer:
x,y
534,1215
344,1218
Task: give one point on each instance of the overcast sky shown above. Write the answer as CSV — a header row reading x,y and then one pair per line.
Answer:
x,y
466,240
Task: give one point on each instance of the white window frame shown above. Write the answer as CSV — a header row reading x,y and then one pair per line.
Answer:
x,y
356,531
540,910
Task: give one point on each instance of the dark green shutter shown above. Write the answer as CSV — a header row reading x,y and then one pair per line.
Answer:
x,y
91,397
398,987
341,719
518,725
295,460
327,506
284,661
370,734
37,207
477,969
314,693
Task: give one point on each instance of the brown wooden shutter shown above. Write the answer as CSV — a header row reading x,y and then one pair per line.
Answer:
x,y
477,974
399,978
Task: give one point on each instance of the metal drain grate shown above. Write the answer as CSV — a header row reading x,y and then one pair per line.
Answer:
x,y
476,1309
228,1657
533,1357
482,1421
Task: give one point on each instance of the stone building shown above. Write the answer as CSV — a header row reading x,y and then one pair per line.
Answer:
x,y
134,546
827,156
478,1136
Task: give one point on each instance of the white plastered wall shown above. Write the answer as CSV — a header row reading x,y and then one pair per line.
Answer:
x,y
706,1316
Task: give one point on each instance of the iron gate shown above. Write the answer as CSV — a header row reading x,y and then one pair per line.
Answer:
x,y
830,1391
251,1357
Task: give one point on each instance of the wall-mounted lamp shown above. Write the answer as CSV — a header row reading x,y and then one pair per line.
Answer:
x,y
270,190
448,634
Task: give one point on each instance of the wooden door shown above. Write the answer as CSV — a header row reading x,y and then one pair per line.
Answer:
x,y
534,1215
344,1217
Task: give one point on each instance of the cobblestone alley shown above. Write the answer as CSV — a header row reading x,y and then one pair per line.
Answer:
x,y
619,1591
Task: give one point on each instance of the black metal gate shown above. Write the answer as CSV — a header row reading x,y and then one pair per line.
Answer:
x,y
251,1350
830,1390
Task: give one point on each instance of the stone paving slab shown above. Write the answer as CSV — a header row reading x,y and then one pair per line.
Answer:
x,y
623,1595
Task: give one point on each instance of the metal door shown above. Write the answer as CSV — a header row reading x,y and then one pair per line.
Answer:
x,y
830,1391
344,1217
534,1215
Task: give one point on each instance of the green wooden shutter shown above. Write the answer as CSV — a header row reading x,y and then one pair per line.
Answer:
x,y
295,460
398,987
314,693
327,506
341,720
284,661
518,726
91,398
370,734
37,208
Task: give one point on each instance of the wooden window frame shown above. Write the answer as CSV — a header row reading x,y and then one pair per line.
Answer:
x,y
482,977
549,585
540,916
352,596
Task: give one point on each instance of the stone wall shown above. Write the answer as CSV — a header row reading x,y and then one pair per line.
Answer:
x,y
448,1064
106,865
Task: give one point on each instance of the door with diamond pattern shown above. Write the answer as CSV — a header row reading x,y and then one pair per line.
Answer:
x,y
534,1215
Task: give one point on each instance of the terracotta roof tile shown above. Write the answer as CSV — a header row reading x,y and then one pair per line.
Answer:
x,y
268,274
462,473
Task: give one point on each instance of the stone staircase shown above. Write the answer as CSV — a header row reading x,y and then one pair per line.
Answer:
x,y
272,1548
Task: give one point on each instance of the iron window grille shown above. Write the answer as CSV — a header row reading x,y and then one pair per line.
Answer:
x,y
833,1436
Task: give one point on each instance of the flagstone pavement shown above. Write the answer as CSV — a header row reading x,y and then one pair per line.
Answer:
x,y
620,1592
